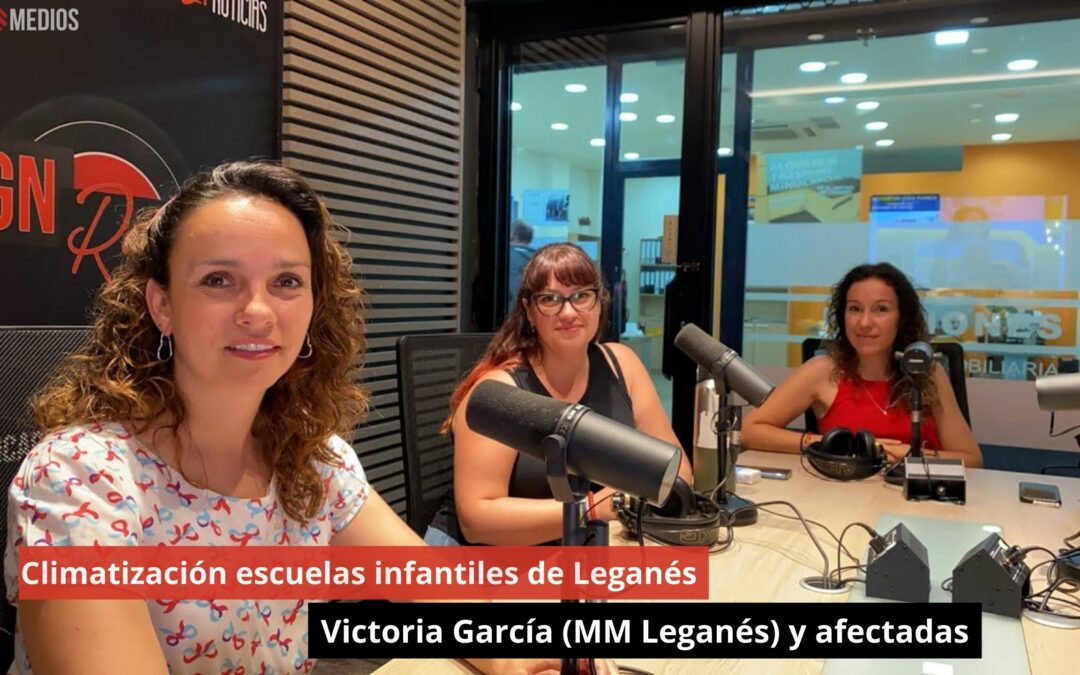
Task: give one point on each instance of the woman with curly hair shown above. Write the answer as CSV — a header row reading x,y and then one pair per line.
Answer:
x,y
874,312
205,409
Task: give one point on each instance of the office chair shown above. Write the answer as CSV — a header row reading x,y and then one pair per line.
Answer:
x,y
429,367
952,361
28,356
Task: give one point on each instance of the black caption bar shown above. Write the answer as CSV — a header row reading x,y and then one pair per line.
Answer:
x,y
646,630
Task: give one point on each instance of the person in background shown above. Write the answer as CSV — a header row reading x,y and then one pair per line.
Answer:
x,y
548,345
207,408
521,236
873,313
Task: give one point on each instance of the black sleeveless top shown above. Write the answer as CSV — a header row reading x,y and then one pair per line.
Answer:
x,y
605,394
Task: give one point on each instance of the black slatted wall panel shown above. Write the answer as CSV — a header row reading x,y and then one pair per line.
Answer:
x,y
372,116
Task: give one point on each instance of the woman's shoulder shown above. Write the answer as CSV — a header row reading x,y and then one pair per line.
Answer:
x,y
85,444
627,358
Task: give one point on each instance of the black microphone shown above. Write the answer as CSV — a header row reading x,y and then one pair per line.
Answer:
x,y
598,449
724,364
917,358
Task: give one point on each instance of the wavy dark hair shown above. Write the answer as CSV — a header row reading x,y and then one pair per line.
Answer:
x,y
515,342
911,328
117,377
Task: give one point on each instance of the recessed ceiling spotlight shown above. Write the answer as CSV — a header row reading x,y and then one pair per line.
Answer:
x,y
833,64
815,37
812,66
884,142
515,106
631,155
560,126
867,105
627,116
979,51
597,142
723,152
628,97
1020,65
951,37
877,126
853,78
979,20
976,105
833,100
1006,118
576,88
1000,137
665,119
976,120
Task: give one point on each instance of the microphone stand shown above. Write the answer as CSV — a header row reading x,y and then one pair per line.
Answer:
x,y
727,426
571,490
896,475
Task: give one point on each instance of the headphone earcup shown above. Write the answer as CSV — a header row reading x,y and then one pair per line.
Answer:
x,y
865,444
838,441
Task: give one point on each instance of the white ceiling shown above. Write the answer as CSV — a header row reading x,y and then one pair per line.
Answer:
x,y
930,96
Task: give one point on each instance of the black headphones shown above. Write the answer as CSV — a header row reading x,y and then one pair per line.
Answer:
x,y
685,519
845,455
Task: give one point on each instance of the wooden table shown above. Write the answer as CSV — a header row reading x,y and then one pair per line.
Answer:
x,y
768,558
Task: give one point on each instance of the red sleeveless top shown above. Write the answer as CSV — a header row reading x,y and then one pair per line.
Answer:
x,y
865,405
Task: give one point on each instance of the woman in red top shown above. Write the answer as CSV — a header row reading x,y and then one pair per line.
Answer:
x,y
874,312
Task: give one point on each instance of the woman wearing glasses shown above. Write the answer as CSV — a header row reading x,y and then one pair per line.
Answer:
x,y
549,345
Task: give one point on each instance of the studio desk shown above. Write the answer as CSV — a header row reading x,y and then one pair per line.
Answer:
x,y
768,559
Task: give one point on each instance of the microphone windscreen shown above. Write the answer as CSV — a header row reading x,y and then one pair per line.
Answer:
x,y
701,347
512,416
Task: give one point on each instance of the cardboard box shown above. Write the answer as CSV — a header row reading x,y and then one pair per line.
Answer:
x,y
669,247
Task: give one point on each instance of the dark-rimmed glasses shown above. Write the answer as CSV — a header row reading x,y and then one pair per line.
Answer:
x,y
551,304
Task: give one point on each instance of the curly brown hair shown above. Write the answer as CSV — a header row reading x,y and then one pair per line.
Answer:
x,y
117,375
912,328
516,342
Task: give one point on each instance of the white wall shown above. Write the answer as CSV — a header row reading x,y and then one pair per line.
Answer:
x,y
646,203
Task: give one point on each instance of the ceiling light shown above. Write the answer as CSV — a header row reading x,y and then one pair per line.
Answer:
x,y
1006,118
979,51
815,37
884,142
833,64
631,155
1001,137
979,20
560,126
628,97
812,66
853,78
1022,64
976,105
723,152
1049,239
877,126
833,100
576,88
627,116
976,120
867,105
951,37
515,106
596,142
665,119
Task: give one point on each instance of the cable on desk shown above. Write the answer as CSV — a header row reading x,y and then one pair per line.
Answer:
x,y
814,522
824,556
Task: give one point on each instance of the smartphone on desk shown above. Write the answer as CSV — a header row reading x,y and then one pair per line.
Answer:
x,y
771,472
1042,494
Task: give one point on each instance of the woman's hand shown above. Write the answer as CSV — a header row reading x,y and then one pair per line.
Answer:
x,y
894,449
540,666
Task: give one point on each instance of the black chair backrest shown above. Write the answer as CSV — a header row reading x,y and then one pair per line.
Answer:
x,y
429,368
952,360
28,355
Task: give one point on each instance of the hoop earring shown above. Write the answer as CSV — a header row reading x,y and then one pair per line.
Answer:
x,y
165,340
310,349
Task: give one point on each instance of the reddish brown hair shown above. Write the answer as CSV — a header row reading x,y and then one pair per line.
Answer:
x,y
516,341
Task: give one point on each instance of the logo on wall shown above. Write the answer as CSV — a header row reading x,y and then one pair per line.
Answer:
x,y
248,13
40,19
75,188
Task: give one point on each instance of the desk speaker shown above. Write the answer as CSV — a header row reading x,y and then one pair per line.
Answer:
x,y
900,570
988,576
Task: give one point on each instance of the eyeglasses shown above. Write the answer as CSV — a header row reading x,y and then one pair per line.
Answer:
x,y
551,304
